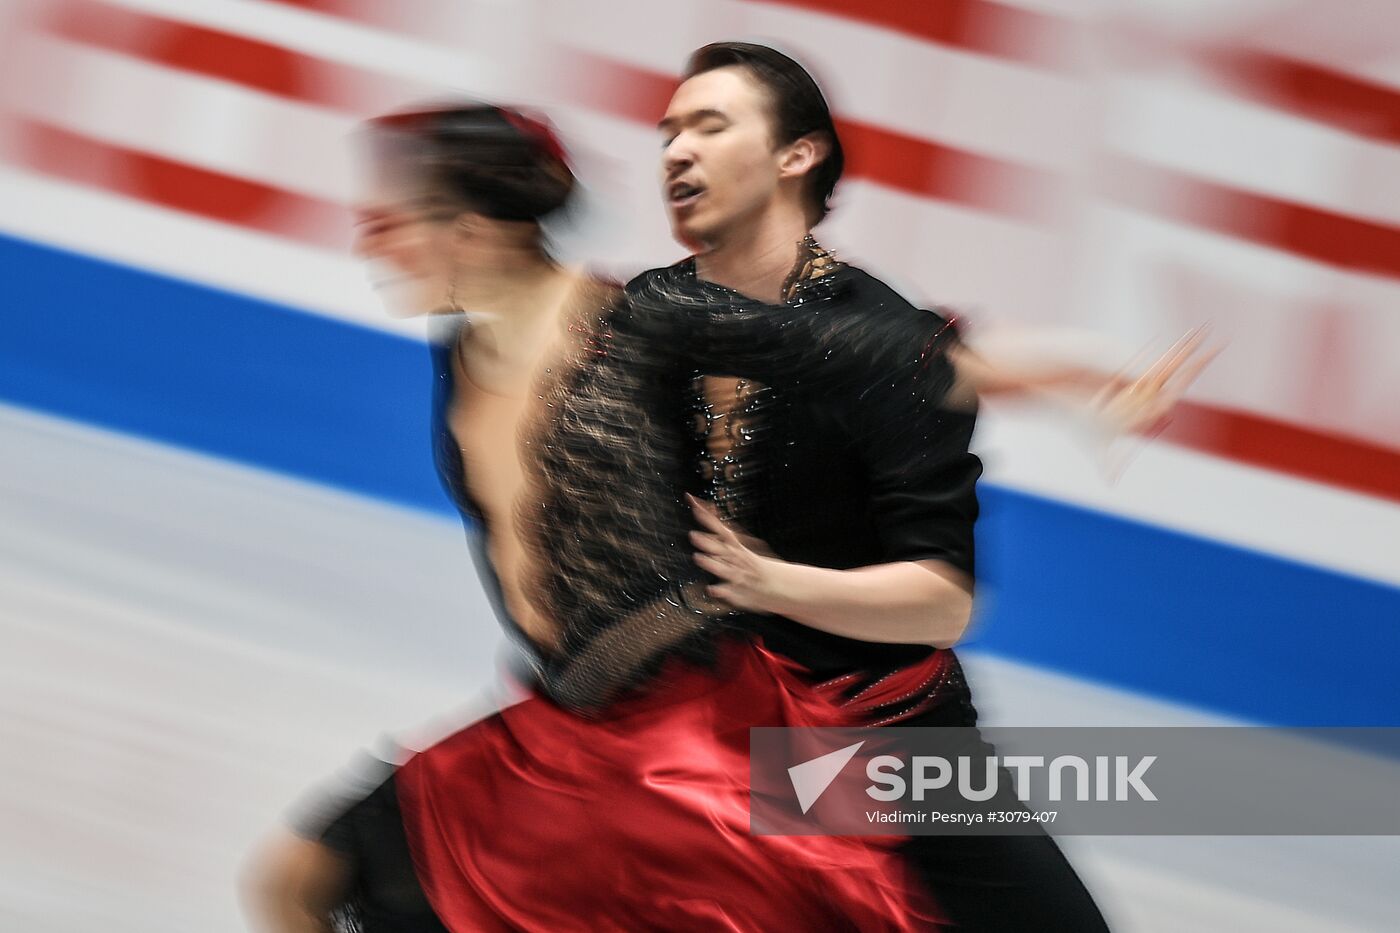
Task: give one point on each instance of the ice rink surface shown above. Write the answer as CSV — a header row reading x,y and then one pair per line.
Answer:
x,y
190,645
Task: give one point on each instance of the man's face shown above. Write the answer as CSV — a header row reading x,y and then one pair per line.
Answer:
x,y
719,167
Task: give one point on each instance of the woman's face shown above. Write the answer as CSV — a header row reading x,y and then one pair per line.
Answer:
x,y
409,241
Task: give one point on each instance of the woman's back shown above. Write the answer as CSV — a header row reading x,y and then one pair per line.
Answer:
x,y
496,405
571,466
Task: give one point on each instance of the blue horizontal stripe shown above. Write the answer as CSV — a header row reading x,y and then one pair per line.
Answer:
x,y
219,372
1184,617
1090,594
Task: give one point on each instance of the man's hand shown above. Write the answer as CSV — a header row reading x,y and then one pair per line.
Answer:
x,y
905,602
1126,407
1142,405
751,578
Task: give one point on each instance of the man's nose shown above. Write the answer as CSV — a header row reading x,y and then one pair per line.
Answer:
x,y
677,156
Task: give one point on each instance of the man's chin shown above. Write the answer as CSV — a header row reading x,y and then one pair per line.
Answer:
x,y
687,235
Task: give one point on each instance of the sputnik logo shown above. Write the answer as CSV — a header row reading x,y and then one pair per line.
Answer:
x,y
811,778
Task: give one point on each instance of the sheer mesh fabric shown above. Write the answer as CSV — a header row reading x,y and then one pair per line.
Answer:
x,y
734,413
607,459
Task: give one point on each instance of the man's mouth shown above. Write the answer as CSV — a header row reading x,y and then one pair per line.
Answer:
x,y
683,194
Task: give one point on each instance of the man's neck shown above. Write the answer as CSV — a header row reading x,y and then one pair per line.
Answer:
x,y
757,260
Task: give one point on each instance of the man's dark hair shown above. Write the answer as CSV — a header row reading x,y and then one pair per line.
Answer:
x,y
798,106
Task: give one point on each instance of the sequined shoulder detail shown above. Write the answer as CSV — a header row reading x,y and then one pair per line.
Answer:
x,y
814,261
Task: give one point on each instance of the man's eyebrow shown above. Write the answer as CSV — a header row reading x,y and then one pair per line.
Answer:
x,y
694,116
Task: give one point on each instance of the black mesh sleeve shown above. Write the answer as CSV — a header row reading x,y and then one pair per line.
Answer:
x,y
881,365
605,518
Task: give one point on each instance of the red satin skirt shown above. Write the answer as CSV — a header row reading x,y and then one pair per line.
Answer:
x,y
538,819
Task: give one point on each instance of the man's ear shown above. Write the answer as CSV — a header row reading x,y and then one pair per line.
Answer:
x,y
803,154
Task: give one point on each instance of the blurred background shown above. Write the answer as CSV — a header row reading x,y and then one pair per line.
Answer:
x,y
227,564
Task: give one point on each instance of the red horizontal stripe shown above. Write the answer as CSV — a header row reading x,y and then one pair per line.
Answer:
x,y
422,18
1325,236
943,173
332,7
1306,453
612,87
251,63
994,29
61,154
1311,91
247,62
